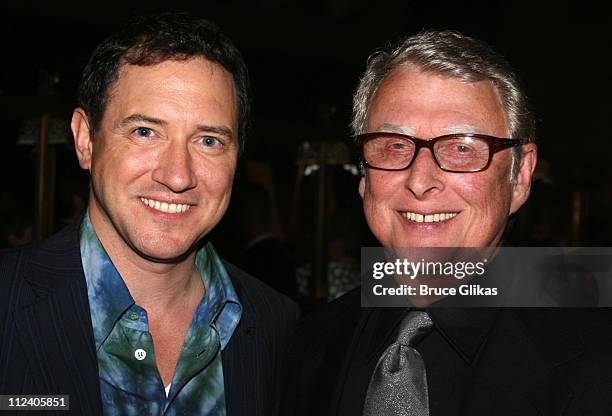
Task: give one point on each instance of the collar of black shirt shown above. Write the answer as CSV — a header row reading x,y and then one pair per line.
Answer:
x,y
465,329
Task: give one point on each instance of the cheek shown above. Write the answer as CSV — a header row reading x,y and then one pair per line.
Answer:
x,y
374,200
380,189
124,161
217,177
488,196
474,190
381,186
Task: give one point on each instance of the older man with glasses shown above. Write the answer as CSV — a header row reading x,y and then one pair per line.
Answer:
x,y
447,150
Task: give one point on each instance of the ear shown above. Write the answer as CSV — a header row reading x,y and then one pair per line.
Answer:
x,y
522,185
81,132
362,185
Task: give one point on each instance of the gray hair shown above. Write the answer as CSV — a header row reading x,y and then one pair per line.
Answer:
x,y
455,55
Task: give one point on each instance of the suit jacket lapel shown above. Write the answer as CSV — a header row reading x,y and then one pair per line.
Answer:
x,y
54,326
240,375
518,373
373,334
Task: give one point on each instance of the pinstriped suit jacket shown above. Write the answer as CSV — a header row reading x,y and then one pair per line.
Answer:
x,y
46,338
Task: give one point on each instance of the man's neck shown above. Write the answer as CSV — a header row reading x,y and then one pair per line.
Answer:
x,y
156,286
163,292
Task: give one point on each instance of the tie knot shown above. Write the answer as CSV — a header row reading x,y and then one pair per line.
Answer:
x,y
413,327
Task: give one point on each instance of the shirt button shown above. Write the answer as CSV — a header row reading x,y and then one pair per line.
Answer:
x,y
140,354
133,316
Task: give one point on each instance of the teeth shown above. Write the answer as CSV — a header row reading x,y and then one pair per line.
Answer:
x,y
439,217
165,207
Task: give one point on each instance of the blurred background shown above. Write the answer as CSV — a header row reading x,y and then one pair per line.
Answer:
x,y
296,219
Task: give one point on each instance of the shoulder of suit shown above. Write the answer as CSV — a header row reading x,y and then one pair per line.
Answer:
x,y
257,297
61,251
13,259
573,331
576,320
332,322
65,240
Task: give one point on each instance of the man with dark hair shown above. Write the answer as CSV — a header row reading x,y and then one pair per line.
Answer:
x,y
448,153
130,311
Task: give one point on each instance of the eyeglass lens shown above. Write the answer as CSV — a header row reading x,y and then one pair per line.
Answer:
x,y
456,153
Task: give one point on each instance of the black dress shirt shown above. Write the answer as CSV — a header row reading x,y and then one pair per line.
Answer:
x,y
450,352
479,361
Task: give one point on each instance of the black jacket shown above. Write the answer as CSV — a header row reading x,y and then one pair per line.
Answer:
x,y
539,361
47,344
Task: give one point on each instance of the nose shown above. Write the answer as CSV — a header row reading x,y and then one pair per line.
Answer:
x,y
424,177
174,168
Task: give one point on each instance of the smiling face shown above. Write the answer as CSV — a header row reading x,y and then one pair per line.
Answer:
x,y
162,161
424,206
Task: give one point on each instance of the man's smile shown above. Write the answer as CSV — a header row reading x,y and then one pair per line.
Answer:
x,y
434,217
169,208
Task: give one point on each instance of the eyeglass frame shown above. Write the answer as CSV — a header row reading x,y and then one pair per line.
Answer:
x,y
495,144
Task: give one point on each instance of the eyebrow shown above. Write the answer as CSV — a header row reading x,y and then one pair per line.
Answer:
x,y
222,130
141,118
394,128
462,128
204,128
449,129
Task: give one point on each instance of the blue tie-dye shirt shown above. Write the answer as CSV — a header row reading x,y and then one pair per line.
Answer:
x,y
130,383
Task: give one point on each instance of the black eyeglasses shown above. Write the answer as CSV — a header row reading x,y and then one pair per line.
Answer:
x,y
460,153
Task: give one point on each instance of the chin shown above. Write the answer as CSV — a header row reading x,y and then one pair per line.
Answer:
x,y
423,244
166,256
163,251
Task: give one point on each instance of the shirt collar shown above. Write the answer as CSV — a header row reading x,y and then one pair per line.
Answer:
x,y
223,306
465,329
109,297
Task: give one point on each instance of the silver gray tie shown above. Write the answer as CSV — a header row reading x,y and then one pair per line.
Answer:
x,y
398,386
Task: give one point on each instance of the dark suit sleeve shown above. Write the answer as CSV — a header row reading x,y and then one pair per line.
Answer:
x,y
13,379
253,358
46,338
313,368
